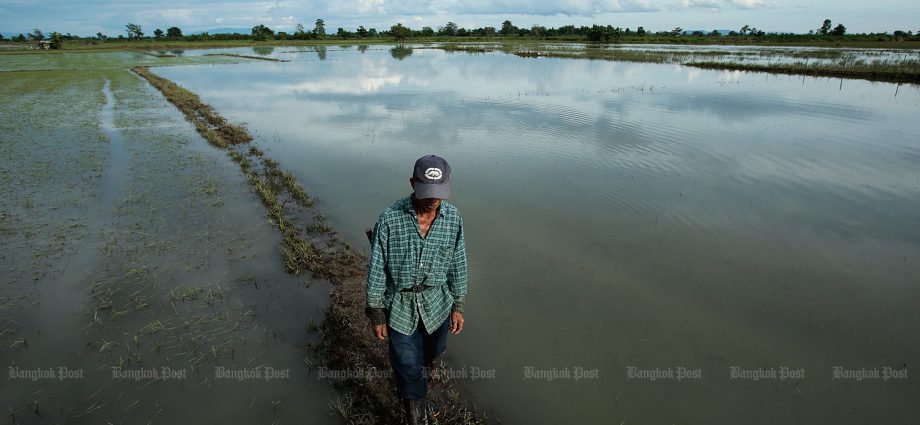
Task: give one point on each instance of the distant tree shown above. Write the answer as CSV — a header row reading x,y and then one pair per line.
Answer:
x,y
20,38
56,42
399,32
676,31
37,34
538,31
462,32
825,27
449,29
173,32
400,52
745,30
427,31
489,31
134,31
372,32
261,33
361,31
715,33
319,30
2,38
811,32
101,36
601,33
157,33
508,28
698,33
640,31
299,30
839,30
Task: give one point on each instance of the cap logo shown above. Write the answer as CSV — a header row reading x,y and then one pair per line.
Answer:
x,y
433,173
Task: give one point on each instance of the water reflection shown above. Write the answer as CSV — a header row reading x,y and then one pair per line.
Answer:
x,y
400,52
630,215
263,50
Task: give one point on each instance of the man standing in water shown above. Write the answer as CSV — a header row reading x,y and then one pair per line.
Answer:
x,y
416,280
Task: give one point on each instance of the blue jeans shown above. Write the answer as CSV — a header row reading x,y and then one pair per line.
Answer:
x,y
411,354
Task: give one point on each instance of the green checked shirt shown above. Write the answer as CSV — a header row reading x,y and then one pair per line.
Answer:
x,y
401,258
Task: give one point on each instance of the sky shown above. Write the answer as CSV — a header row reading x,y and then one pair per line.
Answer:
x,y
87,17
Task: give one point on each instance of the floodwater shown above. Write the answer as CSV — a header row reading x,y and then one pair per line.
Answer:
x,y
648,243
141,282
636,232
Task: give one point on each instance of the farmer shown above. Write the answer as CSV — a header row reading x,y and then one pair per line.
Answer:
x,y
417,280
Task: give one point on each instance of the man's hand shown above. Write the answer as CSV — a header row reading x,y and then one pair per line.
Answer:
x,y
381,332
456,322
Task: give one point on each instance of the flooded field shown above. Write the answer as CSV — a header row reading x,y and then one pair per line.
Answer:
x,y
140,276
628,218
648,242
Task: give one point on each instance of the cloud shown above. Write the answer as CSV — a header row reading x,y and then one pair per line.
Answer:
x,y
704,4
750,4
717,5
561,7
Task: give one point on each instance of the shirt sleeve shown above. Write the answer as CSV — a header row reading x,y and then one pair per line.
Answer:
x,y
457,273
376,273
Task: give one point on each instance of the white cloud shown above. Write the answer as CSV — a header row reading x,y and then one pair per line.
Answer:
x,y
750,4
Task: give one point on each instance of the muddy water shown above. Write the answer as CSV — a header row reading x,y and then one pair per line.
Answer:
x,y
646,228
131,247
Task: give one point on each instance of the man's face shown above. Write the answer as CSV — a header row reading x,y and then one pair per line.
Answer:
x,y
428,204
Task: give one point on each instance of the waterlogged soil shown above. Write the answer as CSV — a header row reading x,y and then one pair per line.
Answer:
x,y
141,280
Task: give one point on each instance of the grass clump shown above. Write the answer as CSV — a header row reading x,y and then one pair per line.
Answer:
x,y
212,126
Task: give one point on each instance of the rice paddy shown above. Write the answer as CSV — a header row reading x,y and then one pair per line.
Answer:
x,y
170,257
895,66
141,230
130,245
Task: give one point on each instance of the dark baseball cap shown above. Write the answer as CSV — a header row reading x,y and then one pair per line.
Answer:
x,y
432,177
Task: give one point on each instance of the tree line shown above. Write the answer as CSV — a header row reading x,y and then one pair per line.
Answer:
x,y
399,32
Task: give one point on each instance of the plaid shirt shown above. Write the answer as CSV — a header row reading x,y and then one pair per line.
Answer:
x,y
401,258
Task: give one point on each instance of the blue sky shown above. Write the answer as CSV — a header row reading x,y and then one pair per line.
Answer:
x,y
110,16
